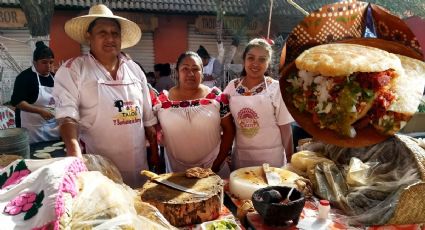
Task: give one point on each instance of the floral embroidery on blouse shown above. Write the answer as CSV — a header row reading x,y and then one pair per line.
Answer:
x,y
153,93
16,175
164,102
242,90
28,202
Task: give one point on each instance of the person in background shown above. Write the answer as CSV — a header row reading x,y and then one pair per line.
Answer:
x,y
196,123
32,96
160,167
103,97
150,76
164,81
263,123
157,69
212,68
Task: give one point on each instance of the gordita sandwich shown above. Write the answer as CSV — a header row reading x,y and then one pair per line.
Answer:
x,y
348,88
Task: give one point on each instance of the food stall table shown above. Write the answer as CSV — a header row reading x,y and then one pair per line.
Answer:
x,y
225,213
308,219
47,149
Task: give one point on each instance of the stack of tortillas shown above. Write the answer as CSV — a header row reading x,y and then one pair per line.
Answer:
x,y
45,152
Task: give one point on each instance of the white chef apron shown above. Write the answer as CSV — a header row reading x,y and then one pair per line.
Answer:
x,y
118,132
208,70
258,138
38,128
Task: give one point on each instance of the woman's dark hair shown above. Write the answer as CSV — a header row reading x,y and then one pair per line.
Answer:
x,y
203,53
42,51
157,67
93,23
150,74
165,70
188,54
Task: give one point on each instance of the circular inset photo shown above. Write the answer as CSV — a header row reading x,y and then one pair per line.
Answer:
x,y
348,90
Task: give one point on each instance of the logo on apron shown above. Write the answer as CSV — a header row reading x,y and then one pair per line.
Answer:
x,y
51,102
248,121
127,113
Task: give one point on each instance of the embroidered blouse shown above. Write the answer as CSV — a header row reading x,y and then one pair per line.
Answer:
x,y
242,90
199,120
162,101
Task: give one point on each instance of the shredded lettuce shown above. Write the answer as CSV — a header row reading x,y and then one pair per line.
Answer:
x,y
222,225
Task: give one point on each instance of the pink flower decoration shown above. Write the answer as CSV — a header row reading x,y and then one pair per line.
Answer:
x,y
154,99
21,203
211,95
166,104
184,104
175,103
205,102
16,178
12,210
162,97
224,98
194,103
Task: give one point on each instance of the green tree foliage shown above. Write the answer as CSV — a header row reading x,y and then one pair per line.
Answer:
x,y
39,15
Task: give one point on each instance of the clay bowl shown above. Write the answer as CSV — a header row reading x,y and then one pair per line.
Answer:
x,y
275,213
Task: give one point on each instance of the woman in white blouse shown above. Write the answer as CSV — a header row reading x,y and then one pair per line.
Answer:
x,y
196,122
263,123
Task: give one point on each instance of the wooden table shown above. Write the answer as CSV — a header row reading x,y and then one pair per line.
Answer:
x,y
308,218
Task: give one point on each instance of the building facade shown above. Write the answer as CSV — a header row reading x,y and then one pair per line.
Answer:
x,y
169,27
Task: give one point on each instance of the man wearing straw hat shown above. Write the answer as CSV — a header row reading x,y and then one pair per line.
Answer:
x,y
103,102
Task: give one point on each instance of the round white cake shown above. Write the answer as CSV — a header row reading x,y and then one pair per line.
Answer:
x,y
244,182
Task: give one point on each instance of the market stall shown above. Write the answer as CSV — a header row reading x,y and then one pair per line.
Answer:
x,y
339,179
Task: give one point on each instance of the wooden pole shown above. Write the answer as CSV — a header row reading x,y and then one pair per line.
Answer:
x,y
270,19
298,7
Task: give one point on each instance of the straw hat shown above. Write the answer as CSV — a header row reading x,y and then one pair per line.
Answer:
x,y
76,28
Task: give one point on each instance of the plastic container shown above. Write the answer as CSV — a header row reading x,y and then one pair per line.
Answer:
x,y
324,209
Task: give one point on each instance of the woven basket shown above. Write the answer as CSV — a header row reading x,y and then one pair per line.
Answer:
x,y
410,208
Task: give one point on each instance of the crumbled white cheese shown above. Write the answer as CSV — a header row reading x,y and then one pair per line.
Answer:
x,y
323,85
307,78
328,108
352,132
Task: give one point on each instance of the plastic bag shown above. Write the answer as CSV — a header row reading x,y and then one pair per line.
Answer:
x,y
103,165
330,184
305,161
391,168
103,204
358,172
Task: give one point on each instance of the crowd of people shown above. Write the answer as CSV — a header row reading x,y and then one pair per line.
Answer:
x,y
105,104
